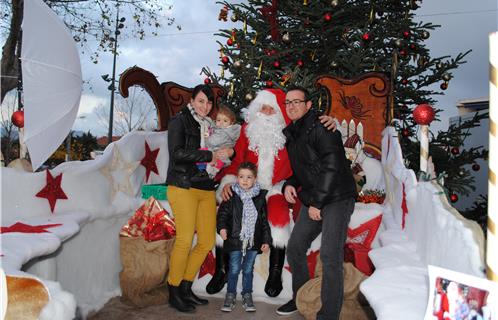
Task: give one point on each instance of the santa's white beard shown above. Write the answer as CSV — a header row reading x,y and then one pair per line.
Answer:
x,y
266,139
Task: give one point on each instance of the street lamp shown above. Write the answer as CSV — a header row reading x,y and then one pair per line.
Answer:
x,y
112,87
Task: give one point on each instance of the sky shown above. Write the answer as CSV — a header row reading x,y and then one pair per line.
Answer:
x,y
180,55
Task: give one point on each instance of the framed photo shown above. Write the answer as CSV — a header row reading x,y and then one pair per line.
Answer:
x,y
458,296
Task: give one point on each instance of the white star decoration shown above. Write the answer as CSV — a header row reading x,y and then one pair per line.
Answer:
x,y
118,172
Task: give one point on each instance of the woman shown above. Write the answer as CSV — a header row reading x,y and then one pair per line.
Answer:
x,y
191,195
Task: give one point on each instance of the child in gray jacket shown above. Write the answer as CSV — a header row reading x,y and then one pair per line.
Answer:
x,y
224,134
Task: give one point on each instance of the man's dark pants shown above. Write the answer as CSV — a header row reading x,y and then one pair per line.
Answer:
x,y
333,226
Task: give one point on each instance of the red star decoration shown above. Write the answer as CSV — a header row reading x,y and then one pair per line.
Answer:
x,y
149,161
312,258
208,265
26,228
52,190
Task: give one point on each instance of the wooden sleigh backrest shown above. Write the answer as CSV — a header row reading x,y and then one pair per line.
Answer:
x,y
168,97
360,105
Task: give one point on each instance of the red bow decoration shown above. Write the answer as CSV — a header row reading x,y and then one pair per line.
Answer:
x,y
404,208
271,14
149,161
208,265
26,228
52,190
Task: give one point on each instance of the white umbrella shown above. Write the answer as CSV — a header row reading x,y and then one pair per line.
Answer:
x,y
52,81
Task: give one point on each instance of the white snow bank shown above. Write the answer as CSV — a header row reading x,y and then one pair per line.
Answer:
x,y
434,233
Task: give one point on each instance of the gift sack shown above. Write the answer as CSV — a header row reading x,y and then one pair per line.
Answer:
x,y
145,267
146,243
308,298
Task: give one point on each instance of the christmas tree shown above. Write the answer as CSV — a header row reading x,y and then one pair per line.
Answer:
x,y
280,43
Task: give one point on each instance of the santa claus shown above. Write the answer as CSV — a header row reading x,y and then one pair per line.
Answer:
x,y
262,142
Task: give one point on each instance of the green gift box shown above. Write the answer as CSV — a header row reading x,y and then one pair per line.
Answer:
x,y
158,191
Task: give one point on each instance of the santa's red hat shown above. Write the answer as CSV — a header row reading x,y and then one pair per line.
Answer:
x,y
352,141
271,97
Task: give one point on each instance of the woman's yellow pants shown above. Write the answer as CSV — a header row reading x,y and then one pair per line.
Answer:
x,y
194,210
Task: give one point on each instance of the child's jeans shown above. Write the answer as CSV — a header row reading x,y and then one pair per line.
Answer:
x,y
238,263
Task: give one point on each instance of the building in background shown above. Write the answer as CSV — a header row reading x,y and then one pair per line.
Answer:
x,y
478,136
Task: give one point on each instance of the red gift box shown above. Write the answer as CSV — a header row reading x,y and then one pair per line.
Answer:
x,y
151,221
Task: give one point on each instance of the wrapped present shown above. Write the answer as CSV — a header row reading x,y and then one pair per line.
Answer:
x,y
158,191
372,196
151,221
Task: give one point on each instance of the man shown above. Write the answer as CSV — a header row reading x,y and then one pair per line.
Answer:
x,y
262,142
323,181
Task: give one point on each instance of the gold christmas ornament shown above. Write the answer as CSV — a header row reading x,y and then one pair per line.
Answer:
x,y
232,89
222,72
260,68
286,38
245,26
255,39
305,2
234,17
446,77
249,97
425,35
334,3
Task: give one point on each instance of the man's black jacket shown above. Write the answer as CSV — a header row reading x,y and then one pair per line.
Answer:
x,y
322,173
184,139
230,218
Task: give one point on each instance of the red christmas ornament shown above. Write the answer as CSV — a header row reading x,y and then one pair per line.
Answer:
x,y
300,63
273,52
307,22
327,17
52,190
208,265
413,46
453,198
455,151
207,81
404,82
269,84
230,41
276,64
149,161
366,36
406,34
476,167
423,114
444,86
18,118
225,60
406,133
402,53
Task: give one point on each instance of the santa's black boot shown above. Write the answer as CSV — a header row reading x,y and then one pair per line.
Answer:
x,y
220,273
273,285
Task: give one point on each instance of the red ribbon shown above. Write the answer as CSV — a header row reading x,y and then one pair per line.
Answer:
x,y
271,14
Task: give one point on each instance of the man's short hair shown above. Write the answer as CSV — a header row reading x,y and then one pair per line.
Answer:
x,y
299,88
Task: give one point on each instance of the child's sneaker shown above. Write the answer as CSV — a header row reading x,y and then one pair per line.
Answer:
x,y
247,302
229,303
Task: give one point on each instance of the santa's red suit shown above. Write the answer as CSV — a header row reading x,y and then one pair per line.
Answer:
x,y
271,159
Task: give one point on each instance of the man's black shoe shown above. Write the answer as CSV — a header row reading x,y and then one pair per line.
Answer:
x,y
287,309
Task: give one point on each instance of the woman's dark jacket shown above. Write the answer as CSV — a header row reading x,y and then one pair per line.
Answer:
x,y
184,139
230,218
319,163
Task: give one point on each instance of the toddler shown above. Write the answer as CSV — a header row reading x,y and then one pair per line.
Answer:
x,y
243,225
224,134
